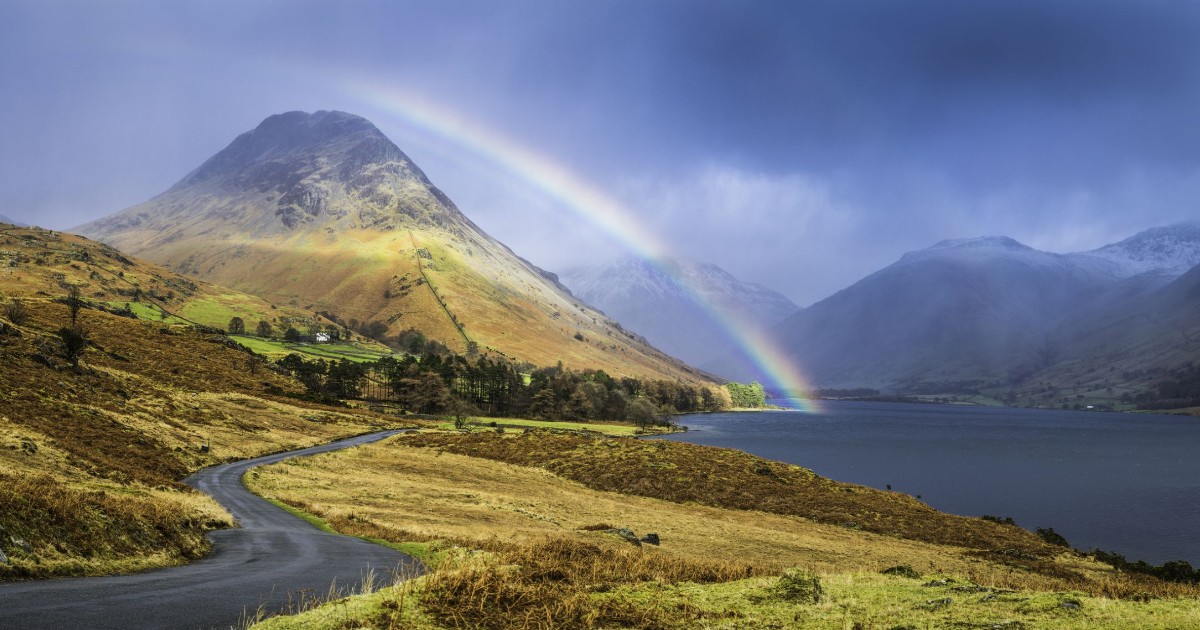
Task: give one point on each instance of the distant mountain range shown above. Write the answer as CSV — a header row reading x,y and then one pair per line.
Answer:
x,y
990,312
324,212
672,303
4,219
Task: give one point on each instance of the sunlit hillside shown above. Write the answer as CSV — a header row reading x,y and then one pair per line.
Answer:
x,y
322,212
95,436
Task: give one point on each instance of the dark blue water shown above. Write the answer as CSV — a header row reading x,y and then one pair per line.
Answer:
x,y
1119,482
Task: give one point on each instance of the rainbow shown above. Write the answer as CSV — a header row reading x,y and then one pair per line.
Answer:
x,y
587,202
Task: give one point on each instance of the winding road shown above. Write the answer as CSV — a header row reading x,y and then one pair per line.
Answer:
x,y
271,562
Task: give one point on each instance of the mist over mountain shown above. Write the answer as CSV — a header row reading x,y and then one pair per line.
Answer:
x,y
659,300
971,314
4,219
1167,251
324,212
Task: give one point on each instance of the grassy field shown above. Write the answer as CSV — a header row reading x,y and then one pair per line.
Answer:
x,y
521,546
274,348
607,428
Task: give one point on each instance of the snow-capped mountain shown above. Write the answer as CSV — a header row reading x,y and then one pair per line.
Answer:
x,y
680,307
960,314
1170,251
989,312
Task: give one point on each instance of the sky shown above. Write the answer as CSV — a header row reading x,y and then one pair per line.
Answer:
x,y
798,144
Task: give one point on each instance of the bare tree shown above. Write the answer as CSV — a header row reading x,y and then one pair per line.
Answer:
x,y
74,303
16,312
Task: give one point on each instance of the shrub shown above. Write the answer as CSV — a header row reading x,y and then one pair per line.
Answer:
x,y
16,312
902,570
1054,538
75,340
799,586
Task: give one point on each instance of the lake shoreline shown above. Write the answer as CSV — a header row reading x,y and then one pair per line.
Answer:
x,y
1117,482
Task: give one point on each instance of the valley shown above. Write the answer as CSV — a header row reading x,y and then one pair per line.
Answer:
x,y
309,284
992,319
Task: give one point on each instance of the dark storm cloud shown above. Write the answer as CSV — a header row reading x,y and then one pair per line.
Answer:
x,y
800,144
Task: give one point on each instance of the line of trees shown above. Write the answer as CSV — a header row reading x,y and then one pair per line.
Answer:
x,y
743,396
1180,387
438,383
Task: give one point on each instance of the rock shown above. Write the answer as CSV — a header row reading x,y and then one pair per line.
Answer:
x,y
939,603
933,583
22,544
3,558
625,533
1071,604
651,539
902,570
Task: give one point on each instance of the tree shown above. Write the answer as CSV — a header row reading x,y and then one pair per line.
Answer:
x,y
461,411
344,379
75,340
746,396
430,395
237,326
544,405
643,412
265,329
578,406
291,334
74,303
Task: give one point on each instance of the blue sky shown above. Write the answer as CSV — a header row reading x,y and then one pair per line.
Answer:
x,y
798,144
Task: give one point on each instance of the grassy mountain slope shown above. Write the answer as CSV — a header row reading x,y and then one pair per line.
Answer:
x,y
90,456
38,264
323,212
1125,350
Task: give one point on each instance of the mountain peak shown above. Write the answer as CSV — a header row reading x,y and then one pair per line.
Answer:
x,y
995,242
287,141
668,300
298,172
1169,250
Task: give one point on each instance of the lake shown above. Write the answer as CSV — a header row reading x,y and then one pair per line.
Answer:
x,y
1120,482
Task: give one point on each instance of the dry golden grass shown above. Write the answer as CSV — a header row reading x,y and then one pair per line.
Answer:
x,y
422,494
548,584
69,530
98,450
689,473
394,492
36,263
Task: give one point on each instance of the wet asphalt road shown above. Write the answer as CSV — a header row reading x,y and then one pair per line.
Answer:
x,y
272,561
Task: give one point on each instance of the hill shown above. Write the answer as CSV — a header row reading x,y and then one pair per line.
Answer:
x,y
669,301
1139,351
324,212
91,454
